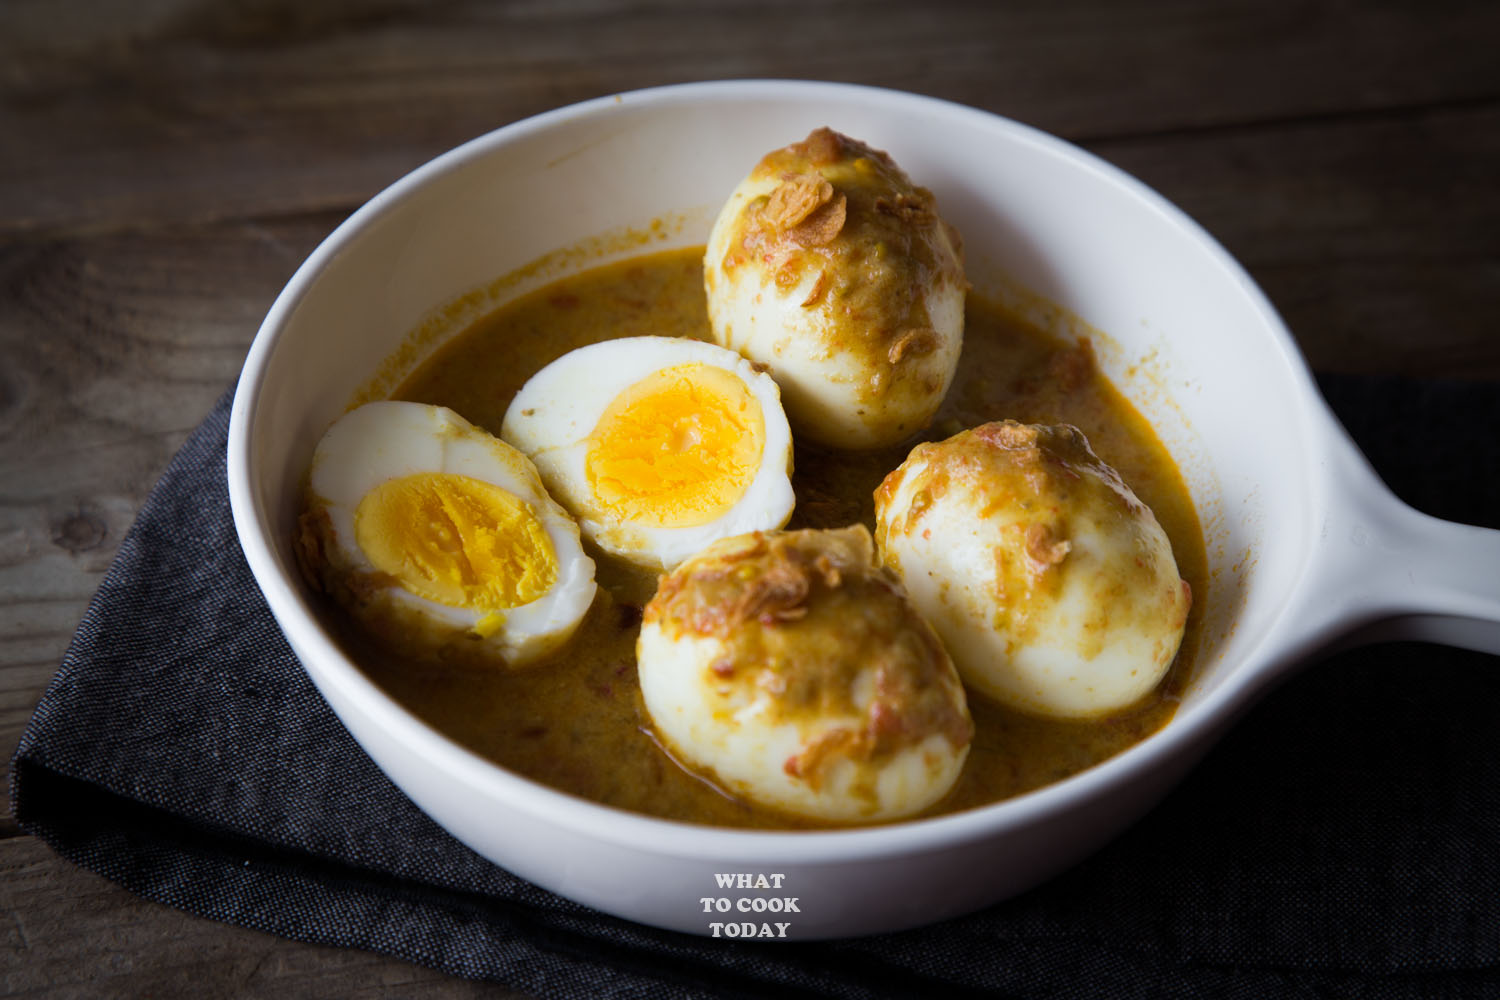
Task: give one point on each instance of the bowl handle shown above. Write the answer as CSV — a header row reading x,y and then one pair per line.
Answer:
x,y
1383,570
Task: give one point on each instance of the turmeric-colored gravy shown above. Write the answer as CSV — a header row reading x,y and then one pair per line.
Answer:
x,y
576,721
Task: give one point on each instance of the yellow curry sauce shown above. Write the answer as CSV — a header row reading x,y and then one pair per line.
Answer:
x,y
576,721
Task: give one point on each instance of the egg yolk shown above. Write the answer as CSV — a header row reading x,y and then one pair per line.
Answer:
x,y
456,540
676,449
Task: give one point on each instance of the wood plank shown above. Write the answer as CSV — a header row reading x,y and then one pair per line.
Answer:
x,y
1377,236
66,931
115,348
195,109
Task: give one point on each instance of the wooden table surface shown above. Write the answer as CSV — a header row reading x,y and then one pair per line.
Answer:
x,y
166,164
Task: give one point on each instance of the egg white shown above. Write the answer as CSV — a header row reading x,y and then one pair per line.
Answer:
x,y
389,440
551,419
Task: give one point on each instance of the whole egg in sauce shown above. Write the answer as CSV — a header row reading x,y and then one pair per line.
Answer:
x,y
793,670
831,268
774,679
1052,585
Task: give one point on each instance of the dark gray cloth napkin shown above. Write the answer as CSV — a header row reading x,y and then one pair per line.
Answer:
x,y
1343,840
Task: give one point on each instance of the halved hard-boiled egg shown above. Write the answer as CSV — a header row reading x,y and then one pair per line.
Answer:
x,y
830,267
440,538
657,445
791,669
1053,587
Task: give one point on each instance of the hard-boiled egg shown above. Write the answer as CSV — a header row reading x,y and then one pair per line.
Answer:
x,y
440,537
657,445
1051,584
791,669
831,268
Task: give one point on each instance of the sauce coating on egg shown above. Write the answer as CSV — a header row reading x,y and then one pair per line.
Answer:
x,y
880,273
829,266
820,615
577,722
792,668
1053,587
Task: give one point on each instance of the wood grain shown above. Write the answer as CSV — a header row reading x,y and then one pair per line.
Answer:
x,y
190,110
1377,236
166,164
115,347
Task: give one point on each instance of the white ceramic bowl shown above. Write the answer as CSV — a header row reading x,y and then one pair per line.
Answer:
x,y
1306,547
